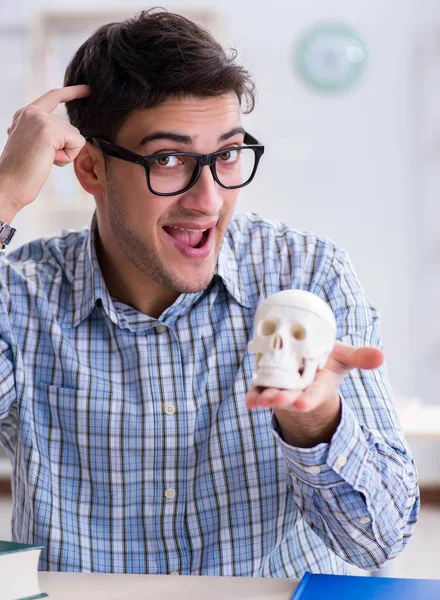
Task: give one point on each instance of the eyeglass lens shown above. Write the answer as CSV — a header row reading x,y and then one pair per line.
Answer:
x,y
170,173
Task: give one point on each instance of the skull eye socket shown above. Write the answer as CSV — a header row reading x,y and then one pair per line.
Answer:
x,y
298,332
268,327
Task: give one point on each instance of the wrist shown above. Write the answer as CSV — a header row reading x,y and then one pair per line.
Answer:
x,y
9,205
306,430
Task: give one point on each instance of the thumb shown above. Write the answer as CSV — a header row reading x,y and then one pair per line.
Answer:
x,y
348,357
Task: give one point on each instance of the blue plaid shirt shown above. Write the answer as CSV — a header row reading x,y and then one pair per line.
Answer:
x,y
131,444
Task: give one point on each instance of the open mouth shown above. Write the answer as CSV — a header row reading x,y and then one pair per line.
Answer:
x,y
192,243
193,238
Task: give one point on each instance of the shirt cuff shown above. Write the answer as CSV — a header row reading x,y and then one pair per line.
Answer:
x,y
328,464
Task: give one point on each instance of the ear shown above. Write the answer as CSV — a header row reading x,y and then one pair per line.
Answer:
x,y
90,169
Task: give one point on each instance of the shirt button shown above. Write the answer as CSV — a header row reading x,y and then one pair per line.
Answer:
x,y
315,470
341,461
161,328
170,409
365,520
170,493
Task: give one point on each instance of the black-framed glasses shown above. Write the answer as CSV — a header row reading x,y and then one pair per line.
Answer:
x,y
173,173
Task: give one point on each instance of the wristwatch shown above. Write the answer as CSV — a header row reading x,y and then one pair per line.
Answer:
x,y
6,233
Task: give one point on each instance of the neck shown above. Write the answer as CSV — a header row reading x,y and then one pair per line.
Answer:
x,y
126,283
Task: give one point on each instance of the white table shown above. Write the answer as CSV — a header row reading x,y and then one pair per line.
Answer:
x,y
94,586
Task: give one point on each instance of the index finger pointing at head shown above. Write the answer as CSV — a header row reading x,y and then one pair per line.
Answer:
x,y
50,100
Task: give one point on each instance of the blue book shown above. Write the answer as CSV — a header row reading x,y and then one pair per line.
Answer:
x,y
338,587
19,571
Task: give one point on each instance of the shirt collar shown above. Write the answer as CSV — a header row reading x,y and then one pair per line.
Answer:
x,y
89,288
88,285
228,271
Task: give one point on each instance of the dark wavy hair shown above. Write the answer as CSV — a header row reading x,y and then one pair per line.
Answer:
x,y
140,62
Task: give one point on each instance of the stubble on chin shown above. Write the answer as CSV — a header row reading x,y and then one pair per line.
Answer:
x,y
148,260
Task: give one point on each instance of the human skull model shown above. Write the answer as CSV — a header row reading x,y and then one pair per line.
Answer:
x,y
295,333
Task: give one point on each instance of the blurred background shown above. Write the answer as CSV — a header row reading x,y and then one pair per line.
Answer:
x,y
349,110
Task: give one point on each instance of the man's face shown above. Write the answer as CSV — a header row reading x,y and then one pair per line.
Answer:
x,y
173,240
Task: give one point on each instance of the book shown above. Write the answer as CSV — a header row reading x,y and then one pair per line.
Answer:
x,y
337,587
19,571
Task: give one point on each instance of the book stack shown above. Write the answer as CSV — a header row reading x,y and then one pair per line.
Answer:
x,y
338,587
19,571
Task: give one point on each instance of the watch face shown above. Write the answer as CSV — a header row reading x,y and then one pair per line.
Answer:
x,y
330,57
6,233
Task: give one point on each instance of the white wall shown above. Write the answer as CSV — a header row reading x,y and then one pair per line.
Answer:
x,y
341,165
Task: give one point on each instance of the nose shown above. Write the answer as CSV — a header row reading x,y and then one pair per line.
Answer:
x,y
205,195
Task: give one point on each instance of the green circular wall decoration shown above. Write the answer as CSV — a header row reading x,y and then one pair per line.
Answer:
x,y
330,57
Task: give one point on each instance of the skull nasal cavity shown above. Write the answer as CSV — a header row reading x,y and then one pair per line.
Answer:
x,y
277,342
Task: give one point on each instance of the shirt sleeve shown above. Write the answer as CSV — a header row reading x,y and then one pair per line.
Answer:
x,y
7,371
359,493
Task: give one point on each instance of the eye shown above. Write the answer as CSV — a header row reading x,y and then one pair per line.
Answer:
x,y
229,156
298,332
268,327
167,161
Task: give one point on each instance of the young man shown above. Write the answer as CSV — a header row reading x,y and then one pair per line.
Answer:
x,y
126,404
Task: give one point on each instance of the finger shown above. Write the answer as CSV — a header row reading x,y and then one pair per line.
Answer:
x,y
260,397
347,357
286,399
266,397
14,122
271,397
252,399
50,100
70,143
68,154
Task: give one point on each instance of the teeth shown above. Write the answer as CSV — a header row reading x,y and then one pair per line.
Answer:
x,y
181,229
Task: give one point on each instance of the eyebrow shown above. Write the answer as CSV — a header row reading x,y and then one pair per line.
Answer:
x,y
231,133
185,139
166,135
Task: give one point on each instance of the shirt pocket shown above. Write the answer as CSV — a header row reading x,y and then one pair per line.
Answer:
x,y
89,443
